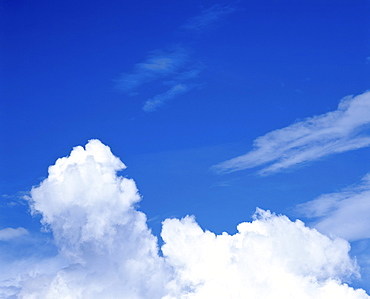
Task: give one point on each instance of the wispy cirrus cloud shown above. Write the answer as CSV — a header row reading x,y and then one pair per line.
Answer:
x,y
344,214
344,129
173,70
154,103
159,64
207,17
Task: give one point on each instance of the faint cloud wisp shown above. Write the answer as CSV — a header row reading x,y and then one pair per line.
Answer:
x,y
159,64
207,17
157,101
172,69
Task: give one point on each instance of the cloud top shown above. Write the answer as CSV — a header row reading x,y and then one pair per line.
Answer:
x,y
104,239
344,129
82,200
107,251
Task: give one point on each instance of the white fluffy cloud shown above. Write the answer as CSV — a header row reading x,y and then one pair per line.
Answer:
x,y
270,257
344,214
107,251
338,131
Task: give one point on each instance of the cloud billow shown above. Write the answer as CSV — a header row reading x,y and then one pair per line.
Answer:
x,y
344,129
107,251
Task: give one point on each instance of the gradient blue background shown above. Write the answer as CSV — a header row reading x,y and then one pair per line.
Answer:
x,y
265,65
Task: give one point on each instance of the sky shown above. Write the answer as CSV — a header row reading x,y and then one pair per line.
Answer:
x,y
185,149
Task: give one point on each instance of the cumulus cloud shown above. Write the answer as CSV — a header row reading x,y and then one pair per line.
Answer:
x,y
344,214
207,17
105,240
107,251
270,257
11,233
344,129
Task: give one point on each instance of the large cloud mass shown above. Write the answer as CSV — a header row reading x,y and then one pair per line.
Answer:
x,y
107,251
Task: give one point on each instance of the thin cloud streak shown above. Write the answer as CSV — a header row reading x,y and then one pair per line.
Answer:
x,y
344,214
172,69
334,132
159,100
159,64
208,17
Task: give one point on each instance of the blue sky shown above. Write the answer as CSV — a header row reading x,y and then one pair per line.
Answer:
x,y
216,108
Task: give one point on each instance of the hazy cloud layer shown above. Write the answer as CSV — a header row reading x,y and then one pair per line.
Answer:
x,y
344,129
344,214
107,251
